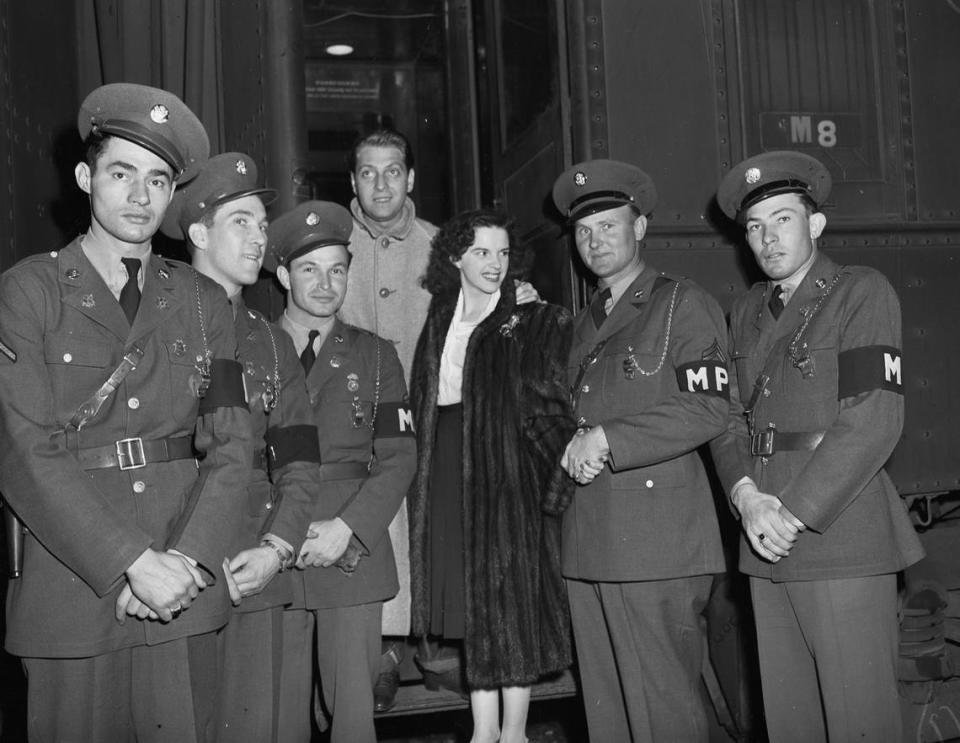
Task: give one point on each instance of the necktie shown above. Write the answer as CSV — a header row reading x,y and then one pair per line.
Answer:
x,y
130,294
309,355
602,306
776,301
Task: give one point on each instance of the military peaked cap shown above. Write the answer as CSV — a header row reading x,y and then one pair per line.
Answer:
x,y
771,173
597,185
224,178
150,117
312,224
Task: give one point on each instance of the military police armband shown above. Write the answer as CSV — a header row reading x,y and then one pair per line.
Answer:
x,y
287,444
709,377
226,387
868,368
393,419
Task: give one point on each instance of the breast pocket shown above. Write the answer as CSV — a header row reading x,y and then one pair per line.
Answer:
x,y
624,370
811,374
183,376
78,367
351,419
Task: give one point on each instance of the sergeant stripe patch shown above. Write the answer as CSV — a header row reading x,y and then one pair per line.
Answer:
x,y
394,419
709,377
869,368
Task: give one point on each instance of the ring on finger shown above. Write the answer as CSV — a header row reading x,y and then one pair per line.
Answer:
x,y
761,536
176,611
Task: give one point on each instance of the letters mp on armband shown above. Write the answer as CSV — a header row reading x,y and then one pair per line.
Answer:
x,y
393,419
226,387
708,376
869,368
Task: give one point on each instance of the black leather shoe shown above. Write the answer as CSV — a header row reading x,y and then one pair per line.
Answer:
x,y
385,691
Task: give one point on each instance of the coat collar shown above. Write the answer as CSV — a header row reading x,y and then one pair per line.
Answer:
x,y
623,313
160,297
818,278
85,290
329,356
400,231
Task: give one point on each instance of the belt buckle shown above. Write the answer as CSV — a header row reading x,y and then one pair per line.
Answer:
x,y
761,443
130,455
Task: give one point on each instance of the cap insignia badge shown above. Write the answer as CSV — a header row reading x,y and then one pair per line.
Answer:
x,y
580,178
313,219
241,167
752,175
159,114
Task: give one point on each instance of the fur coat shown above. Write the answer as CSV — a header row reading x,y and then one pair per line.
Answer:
x,y
516,423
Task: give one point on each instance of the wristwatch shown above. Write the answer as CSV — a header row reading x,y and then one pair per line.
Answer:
x,y
285,556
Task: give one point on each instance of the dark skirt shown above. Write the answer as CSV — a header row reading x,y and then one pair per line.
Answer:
x,y
445,496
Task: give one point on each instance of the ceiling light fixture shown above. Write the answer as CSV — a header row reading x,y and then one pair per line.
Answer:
x,y
339,50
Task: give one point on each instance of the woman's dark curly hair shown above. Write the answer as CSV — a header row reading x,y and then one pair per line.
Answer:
x,y
455,237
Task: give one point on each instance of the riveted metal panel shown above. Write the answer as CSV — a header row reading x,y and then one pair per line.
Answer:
x,y
926,460
817,77
929,52
587,79
664,92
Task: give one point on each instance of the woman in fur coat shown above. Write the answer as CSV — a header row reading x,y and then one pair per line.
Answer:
x,y
492,412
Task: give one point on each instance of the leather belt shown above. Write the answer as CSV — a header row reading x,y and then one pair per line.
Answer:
x,y
134,453
769,442
343,471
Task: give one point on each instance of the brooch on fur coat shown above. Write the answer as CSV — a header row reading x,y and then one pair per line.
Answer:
x,y
506,329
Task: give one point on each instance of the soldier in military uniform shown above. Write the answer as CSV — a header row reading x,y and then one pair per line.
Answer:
x,y
640,540
117,376
817,408
368,457
222,214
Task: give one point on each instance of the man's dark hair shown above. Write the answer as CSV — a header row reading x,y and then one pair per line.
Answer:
x,y
455,237
382,138
809,207
94,145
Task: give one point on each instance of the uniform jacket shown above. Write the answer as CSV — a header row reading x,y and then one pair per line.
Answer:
x,y
385,296
87,527
281,503
516,421
852,392
654,376
342,389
